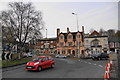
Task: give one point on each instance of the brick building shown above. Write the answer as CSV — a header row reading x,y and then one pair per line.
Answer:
x,y
46,45
70,43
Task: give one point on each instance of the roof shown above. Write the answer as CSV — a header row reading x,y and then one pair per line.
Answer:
x,y
47,39
94,33
100,36
114,39
73,33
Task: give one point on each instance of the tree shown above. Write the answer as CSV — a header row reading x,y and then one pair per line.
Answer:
x,y
25,22
91,30
101,31
117,34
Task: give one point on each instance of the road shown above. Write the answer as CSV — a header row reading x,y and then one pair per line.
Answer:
x,y
64,68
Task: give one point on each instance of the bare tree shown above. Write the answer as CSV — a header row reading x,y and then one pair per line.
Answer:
x,y
24,21
91,30
102,31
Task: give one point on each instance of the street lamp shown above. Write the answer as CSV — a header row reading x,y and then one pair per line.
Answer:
x,y
46,33
46,42
77,20
78,37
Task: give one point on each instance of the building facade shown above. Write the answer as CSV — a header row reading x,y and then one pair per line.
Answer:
x,y
46,45
95,43
114,44
70,43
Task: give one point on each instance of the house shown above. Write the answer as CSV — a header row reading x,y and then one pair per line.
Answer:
x,y
46,45
114,44
95,43
70,43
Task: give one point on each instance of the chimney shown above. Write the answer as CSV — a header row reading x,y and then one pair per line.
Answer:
x,y
83,29
67,30
58,31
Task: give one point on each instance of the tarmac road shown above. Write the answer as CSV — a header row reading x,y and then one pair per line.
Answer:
x,y
64,68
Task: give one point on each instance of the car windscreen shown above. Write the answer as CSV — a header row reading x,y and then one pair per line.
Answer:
x,y
37,59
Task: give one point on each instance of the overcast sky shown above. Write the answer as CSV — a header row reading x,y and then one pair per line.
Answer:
x,y
92,14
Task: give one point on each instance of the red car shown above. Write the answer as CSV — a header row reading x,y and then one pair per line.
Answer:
x,y
40,62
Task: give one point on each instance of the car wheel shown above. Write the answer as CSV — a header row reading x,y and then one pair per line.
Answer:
x,y
52,65
39,68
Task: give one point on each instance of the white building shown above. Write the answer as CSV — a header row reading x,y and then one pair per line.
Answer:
x,y
95,43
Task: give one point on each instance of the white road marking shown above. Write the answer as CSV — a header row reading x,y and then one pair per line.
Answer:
x,y
100,65
94,64
85,62
62,59
89,63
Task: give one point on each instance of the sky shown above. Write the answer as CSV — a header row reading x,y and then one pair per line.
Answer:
x,y
58,14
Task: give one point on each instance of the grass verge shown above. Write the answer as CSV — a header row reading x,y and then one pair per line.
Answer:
x,y
6,63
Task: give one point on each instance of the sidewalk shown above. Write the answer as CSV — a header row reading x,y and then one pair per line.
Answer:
x,y
114,71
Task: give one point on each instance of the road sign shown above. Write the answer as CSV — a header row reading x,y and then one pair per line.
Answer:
x,y
6,56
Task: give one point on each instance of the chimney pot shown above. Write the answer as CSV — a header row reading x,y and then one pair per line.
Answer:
x,y
68,30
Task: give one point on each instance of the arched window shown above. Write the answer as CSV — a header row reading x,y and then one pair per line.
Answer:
x,y
95,42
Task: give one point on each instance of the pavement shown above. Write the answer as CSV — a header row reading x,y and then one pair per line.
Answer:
x,y
114,71
64,68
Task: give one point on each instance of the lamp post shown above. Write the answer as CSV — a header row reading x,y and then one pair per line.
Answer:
x,y
79,36
46,33
77,20
46,42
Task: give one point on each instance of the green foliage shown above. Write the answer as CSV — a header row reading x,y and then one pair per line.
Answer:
x,y
10,63
117,34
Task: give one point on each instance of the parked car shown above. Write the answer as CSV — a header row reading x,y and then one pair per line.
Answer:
x,y
29,54
100,56
40,62
60,56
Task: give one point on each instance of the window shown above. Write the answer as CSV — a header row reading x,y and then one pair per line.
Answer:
x,y
49,58
45,59
78,36
63,51
61,44
61,37
69,51
42,46
86,41
51,46
46,45
51,41
117,44
105,45
95,43
112,44
69,43
69,37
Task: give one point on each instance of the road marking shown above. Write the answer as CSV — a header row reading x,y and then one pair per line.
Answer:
x,y
85,62
62,59
100,65
89,63
94,64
